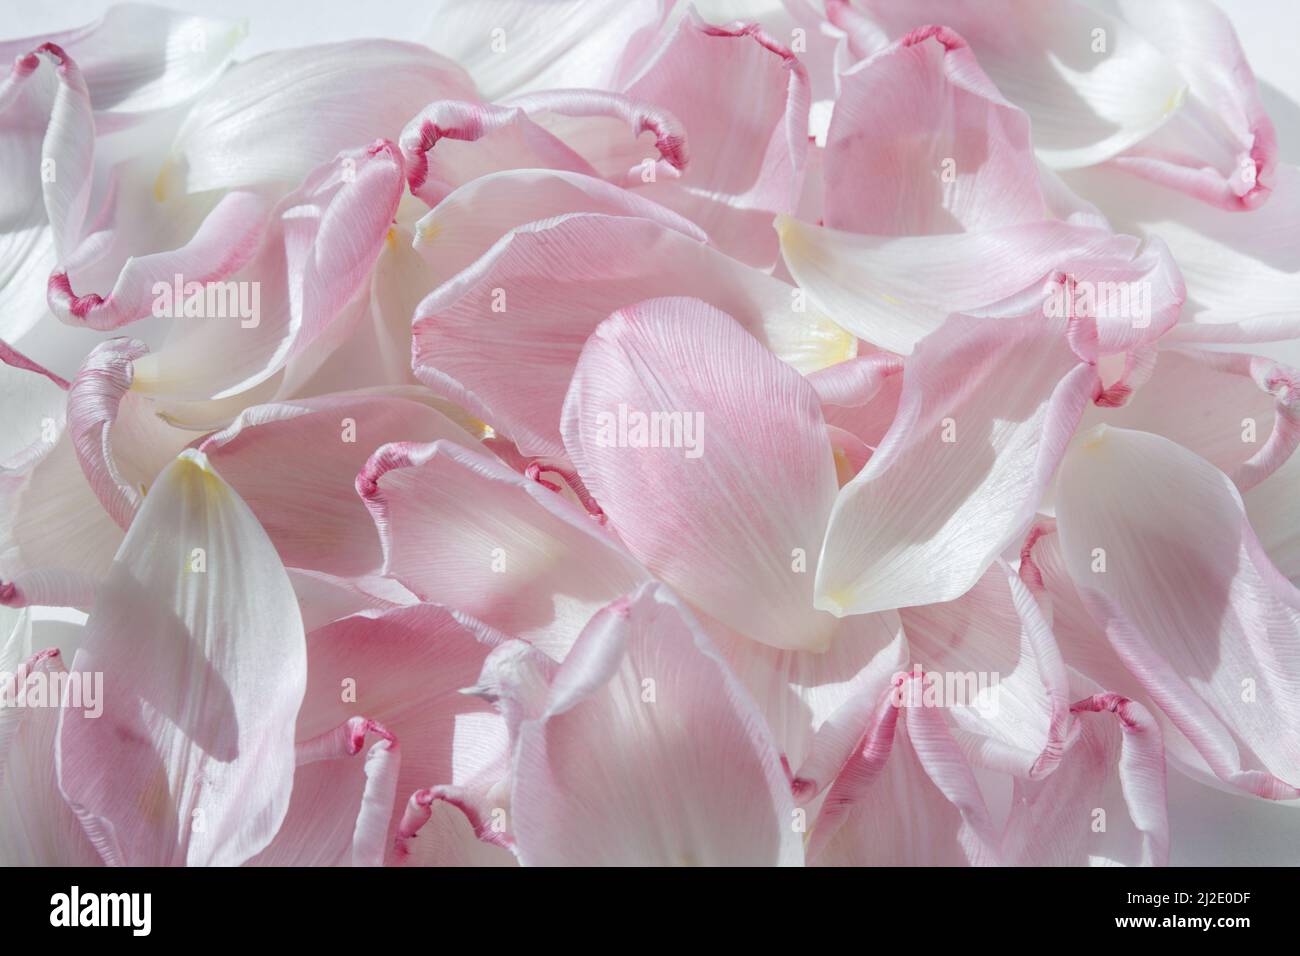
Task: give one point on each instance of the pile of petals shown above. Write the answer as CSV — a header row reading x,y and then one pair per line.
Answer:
x,y
621,433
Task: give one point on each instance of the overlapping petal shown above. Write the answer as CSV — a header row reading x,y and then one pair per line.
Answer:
x,y
987,409
199,644
534,298
689,773
1157,541
523,559
691,490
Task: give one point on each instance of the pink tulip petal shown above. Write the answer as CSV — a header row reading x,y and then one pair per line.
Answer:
x,y
855,381
689,776
407,667
925,118
605,128
1188,600
907,797
700,510
325,598
341,808
295,464
895,291
996,632
521,560
749,168
813,701
860,396
987,408
98,424
55,536
1220,146
532,301
48,139
437,832
1087,101
513,46
1105,803
1239,412
51,587
225,242
318,254
1219,253
192,759
334,97
851,453
498,138
140,58
37,828
1082,642
467,223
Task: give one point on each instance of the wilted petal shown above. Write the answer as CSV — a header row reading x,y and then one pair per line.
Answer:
x,y
813,700
923,117
37,828
55,537
1220,145
325,598
139,58
532,301
1188,600
1105,804
436,832
746,164
1091,84
693,499
907,797
460,528
496,138
341,807
1239,412
224,242
295,465
1219,253
510,46
607,130
987,409
895,291
192,759
47,148
406,668
318,253
120,443
994,648
467,223
860,396
333,97
689,773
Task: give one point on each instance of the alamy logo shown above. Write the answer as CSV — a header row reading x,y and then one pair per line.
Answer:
x,y
179,299
662,429
948,689
40,688
103,909
1100,300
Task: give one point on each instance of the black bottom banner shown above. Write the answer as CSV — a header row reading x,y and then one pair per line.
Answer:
x,y
941,904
